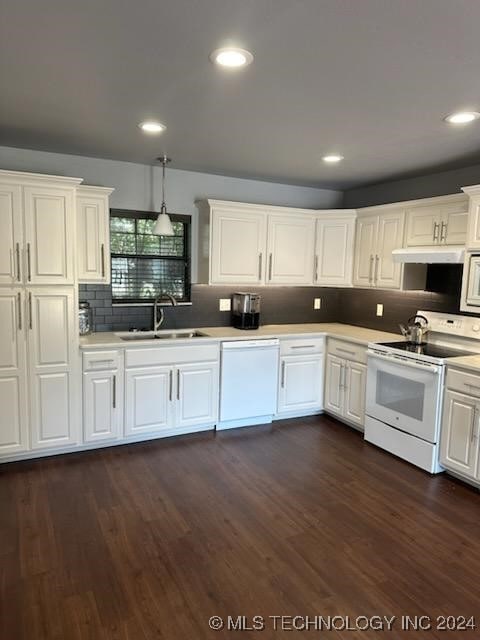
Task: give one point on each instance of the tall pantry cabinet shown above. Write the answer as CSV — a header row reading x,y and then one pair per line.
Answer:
x,y
38,318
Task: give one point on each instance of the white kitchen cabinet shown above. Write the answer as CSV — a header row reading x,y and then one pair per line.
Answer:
x,y
52,330
473,226
237,246
345,382
334,248
437,224
196,394
459,448
93,235
148,400
11,234
290,248
13,393
301,384
102,405
377,236
49,235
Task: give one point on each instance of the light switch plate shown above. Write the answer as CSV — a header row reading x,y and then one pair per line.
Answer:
x,y
225,304
379,309
317,303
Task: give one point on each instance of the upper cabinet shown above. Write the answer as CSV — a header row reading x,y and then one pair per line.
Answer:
x,y
376,237
255,245
93,234
473,228
37,224
438,224
334,244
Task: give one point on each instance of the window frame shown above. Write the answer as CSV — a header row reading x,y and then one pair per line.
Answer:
x,y
186,259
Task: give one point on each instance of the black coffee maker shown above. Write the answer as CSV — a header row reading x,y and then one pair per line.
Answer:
x,y
246,310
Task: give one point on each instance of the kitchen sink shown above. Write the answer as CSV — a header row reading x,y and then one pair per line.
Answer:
x,y
131,336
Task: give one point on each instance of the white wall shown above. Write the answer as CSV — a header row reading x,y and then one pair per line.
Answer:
x,y
133,185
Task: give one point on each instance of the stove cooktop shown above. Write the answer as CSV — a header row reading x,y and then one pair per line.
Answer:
x,y
430,350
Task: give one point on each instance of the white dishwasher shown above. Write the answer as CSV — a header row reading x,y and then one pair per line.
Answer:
x,y
248,382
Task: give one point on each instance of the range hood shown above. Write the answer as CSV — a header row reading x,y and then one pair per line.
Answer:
x,y
430,255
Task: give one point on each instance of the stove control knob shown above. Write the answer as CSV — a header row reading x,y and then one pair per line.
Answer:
x,y
476,327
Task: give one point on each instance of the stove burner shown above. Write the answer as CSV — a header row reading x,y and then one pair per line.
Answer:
x,y
431,350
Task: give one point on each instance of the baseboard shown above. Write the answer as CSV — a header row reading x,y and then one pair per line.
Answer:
x,y
243,422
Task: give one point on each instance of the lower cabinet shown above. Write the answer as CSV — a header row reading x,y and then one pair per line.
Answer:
x,y
102,402
300,383
345,383
459,443
148,400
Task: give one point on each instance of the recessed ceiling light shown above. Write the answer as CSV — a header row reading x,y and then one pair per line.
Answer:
x,y
152,126
332,158
462,117
231,57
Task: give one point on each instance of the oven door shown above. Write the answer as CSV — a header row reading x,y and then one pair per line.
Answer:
x,y
405,394
473,290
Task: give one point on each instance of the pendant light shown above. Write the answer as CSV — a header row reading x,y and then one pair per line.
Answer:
x,y
163,225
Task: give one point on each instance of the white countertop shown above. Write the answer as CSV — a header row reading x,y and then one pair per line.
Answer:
x,y
359,335
466,362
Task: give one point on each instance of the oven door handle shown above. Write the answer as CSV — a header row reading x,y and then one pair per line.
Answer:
x,y
430,368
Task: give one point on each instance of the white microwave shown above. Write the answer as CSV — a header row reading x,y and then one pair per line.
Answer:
x,y
473,286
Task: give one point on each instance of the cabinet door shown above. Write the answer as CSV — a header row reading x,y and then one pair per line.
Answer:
x,y
356,382
459,435
473,232
49,235
102,406
93,239
423,226
301,384
196,394
11,234
237,250
387,274
13,401
291,244
148,400
334,386
454,224
334,252
53,353
365,245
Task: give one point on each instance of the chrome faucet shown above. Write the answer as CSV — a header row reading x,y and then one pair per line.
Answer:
x,y
157,323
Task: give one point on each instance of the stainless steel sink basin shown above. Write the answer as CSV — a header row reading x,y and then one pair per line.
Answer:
x,y
131,336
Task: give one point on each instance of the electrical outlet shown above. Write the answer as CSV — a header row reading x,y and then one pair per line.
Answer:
x,y
317,303
225,304
379,309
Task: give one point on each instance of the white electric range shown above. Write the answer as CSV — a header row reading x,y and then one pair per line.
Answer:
x,y
405,388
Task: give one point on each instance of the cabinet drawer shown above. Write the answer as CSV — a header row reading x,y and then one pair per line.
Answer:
x,y
301,346
347,350
98,360
468,383
154,356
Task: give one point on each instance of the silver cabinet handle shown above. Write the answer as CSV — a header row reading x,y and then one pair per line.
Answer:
x,y
443,232
114,392
260,260
29,266
19,302
316,269
178,384
17,253
30,314
370,269
342,369
436,228
472,427
303,346
270,259
350,353
283,374
377,259
344,376
170,380
102,251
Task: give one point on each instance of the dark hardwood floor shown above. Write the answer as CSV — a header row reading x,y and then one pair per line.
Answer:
x,y
299,518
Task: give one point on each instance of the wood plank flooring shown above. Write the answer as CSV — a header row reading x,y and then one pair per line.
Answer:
x,y
302,518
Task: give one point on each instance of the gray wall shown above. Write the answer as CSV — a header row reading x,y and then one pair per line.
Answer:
x,y
434,184
139,186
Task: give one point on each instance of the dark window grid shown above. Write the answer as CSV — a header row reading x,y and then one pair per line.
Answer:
x,y
141,277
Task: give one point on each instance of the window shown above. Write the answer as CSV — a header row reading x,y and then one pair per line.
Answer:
x,y
144,265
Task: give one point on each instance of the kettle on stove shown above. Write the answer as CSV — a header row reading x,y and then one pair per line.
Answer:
x,y
416,330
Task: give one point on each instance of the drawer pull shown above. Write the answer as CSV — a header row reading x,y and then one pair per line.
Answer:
x,y
350,353
472,386
303,346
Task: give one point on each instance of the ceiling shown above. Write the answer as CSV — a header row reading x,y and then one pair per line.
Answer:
x,y
370,79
